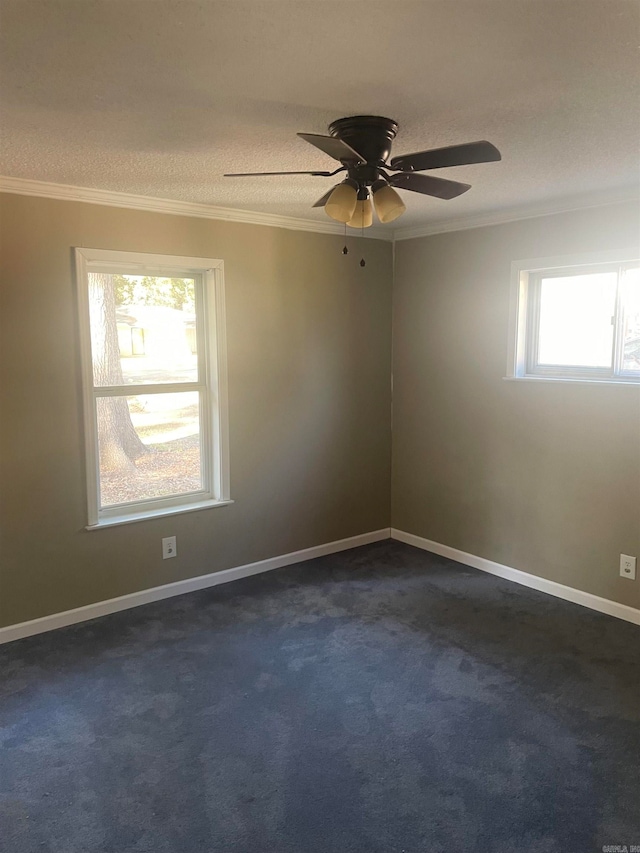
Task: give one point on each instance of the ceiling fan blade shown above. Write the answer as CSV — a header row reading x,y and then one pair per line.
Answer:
x,y
453,155
325,198
428,185
333,146
262,174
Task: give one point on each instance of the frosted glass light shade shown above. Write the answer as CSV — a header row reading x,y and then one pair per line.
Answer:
x,y
388,204
363,215
341,204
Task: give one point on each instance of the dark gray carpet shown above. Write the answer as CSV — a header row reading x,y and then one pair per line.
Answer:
x,y
381,699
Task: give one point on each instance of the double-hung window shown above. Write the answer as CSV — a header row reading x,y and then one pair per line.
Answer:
x,y
152,332
576,319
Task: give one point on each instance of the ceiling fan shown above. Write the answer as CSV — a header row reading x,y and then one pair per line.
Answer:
x,y
362,144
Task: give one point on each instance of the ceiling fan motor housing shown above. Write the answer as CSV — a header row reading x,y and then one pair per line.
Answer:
x,y
370,136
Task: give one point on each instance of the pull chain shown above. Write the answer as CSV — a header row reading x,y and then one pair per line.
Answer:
x,y
362,261
345,251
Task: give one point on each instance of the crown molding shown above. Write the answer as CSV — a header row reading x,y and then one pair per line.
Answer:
x,y
67,192
501,217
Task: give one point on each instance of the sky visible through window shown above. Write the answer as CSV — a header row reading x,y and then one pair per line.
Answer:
x,y
577,319
631,302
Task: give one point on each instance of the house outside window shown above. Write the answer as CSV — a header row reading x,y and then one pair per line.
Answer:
x,y
154,381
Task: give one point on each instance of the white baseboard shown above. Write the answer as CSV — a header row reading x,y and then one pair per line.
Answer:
x,y
157,593
559,590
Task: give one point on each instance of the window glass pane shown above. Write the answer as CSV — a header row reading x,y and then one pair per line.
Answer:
x,y
149,446
630,292
576,320
143,329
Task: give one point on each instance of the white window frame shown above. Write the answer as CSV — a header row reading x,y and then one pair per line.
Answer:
x,y
211,384
524,315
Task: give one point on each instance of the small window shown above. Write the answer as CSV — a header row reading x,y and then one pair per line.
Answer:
x,y
154,371
577,321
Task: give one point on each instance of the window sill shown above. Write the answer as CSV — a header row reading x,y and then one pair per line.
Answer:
x,y
633,383
145,515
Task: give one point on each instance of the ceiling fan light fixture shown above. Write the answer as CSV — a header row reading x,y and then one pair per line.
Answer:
x,y
341,204
388,204
363,215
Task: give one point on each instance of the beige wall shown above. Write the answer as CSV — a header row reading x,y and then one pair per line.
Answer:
x,y
309,365
545,478
541,477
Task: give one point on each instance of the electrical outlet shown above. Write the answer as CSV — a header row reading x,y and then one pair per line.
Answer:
x,y
627,567
169,547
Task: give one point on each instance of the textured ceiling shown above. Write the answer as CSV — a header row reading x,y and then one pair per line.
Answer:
x,y
160,97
